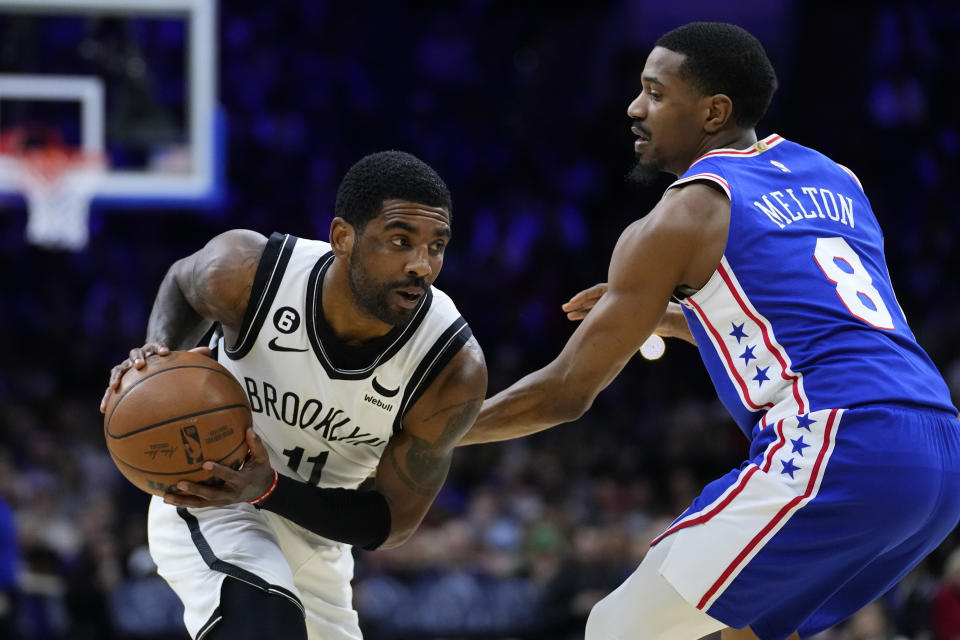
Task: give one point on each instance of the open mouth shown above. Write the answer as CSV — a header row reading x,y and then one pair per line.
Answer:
x,y
410,297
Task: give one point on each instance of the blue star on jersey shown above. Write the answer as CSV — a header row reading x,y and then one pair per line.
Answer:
x,y
799,445
761,376
803,422
747,354
788,467
738,331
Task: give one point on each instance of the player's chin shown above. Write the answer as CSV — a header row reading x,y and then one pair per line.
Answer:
x,y
400,316
399,310
644,172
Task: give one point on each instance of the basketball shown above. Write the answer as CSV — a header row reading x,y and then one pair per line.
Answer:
x,y
172,415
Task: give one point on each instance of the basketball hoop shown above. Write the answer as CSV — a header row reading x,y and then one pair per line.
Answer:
x,y
57,182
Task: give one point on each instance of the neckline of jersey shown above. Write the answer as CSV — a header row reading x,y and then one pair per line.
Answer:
x,y
756,148
348,358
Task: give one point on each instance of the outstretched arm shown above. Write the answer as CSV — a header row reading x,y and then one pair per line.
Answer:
x,y
679,242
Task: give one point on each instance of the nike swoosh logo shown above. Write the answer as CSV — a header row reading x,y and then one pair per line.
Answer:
x,y
275,347
379,388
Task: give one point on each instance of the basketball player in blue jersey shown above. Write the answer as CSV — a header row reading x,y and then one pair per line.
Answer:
x,y
354,365
853,474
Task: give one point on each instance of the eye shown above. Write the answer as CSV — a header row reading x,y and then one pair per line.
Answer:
x,y
654,95
399,241
438,246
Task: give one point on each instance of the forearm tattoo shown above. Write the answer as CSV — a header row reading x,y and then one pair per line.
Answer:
x,y
423,465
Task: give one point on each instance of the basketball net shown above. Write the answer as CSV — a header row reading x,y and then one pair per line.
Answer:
x,y
58,183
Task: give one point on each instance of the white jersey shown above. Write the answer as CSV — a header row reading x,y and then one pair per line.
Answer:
x,y
323,409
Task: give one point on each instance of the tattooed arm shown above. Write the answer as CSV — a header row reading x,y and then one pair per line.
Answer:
x,y
416,460
211,285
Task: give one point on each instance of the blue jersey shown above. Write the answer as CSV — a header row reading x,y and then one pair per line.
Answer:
x,y
800,315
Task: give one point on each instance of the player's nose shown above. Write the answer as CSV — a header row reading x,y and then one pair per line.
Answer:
x,y
638,108
419,263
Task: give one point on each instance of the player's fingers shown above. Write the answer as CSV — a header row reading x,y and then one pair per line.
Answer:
x,y
199,490
116,373
103,401
579,307
138,355
237,485
204,351
229,476
184,500
578,301
138,358
580,311
586,298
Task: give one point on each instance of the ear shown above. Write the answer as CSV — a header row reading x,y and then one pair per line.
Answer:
x,y
342,237
719,113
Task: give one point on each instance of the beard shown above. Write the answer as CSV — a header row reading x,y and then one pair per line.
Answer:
x,y
643,174
373,297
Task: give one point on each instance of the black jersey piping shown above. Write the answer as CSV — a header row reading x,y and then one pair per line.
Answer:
x,y
266,282
440,354
230,570
211,622
340,361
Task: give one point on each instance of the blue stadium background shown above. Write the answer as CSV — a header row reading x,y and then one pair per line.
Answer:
x,y
521,108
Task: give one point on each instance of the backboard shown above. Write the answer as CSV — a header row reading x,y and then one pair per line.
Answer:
x,y
132,80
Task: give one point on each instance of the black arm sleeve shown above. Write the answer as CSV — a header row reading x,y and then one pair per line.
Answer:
x,y
360,518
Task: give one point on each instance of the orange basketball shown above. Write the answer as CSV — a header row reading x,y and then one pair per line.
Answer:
x,y
172,415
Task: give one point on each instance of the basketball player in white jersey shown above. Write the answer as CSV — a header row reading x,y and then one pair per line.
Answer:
x,y
354,366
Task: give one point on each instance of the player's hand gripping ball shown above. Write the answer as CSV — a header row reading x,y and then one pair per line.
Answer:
x,y
167,418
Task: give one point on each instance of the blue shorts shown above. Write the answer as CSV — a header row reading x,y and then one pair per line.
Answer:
x,y
833,508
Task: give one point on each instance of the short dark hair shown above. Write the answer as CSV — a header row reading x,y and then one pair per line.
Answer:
x,y
383,176
724,58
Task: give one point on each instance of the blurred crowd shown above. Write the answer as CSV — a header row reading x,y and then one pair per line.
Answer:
x,y
521,109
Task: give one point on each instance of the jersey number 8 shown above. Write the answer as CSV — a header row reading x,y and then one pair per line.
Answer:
x,y
854,285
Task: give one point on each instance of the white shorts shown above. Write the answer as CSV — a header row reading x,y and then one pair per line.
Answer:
x,y
195,549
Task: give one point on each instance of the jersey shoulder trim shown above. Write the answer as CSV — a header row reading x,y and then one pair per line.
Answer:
x,y
343,362
852,175
266,282
437,357
710,177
